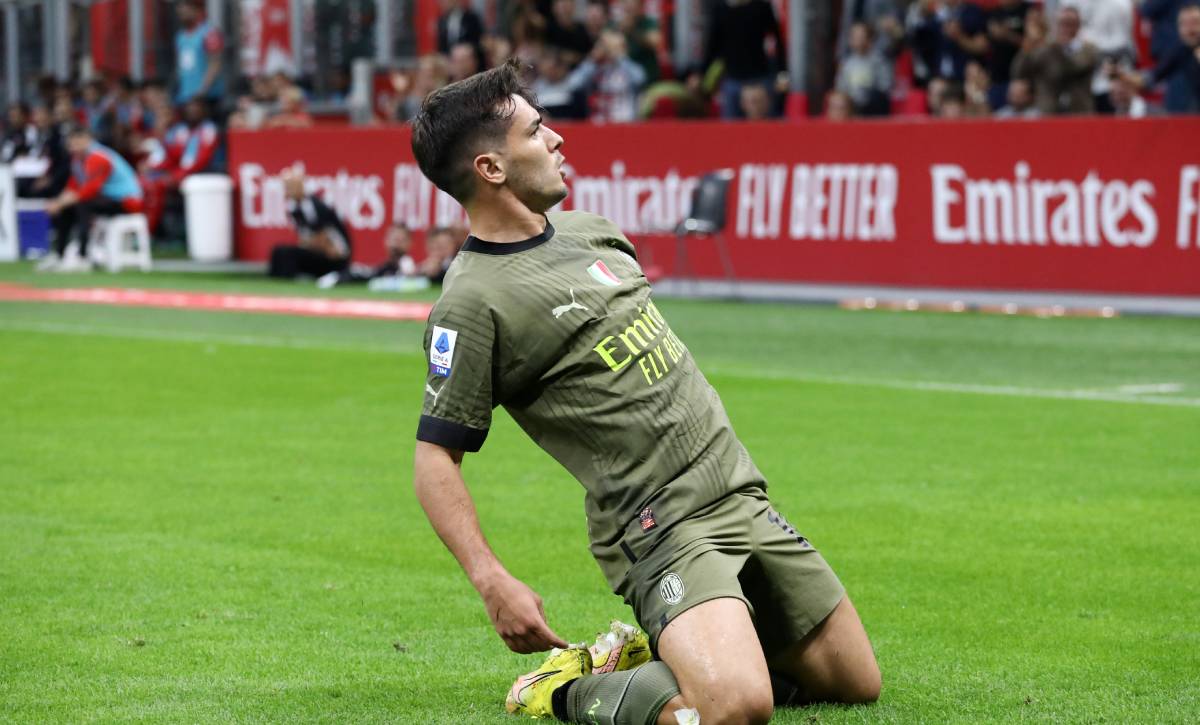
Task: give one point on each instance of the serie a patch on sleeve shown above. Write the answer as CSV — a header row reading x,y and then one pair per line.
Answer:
x,y
441,351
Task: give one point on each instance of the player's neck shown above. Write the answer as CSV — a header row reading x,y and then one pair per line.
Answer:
x,y
504,223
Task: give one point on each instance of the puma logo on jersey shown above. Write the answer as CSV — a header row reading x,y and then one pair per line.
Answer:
x,y
564,309
435,393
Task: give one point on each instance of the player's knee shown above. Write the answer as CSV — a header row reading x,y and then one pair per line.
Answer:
x,y
745,707
864,688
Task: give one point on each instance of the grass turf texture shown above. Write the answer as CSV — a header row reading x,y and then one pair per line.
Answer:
x,y
207,516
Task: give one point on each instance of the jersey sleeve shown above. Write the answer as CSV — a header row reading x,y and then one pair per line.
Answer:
x,y
460,349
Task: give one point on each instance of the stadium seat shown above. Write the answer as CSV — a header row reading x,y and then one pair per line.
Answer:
x,y
107,244
710,200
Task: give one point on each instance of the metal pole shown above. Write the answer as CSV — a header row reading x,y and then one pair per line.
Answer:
x,y
214,11
12,58
137,41
62,39
797,50
681,33
296,29
383,32
47,34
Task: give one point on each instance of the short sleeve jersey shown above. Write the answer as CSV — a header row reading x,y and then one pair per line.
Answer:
x,y
560,329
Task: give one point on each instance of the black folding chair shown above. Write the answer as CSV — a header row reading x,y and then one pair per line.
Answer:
x,y
706,219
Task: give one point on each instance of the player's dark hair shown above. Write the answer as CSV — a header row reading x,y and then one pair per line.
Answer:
x,y
463,120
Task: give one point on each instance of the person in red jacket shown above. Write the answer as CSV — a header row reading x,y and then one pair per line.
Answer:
x,y
101,184
189,147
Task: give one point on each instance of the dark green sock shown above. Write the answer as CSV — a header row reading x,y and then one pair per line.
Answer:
x,y
632,697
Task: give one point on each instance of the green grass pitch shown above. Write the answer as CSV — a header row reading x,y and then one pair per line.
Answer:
x,y
207,517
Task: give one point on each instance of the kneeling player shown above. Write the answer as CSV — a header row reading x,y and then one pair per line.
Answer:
x,y
549,314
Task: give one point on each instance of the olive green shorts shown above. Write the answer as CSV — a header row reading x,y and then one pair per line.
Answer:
x,y
738,547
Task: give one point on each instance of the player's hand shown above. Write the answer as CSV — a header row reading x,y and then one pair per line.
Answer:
x,y
517,614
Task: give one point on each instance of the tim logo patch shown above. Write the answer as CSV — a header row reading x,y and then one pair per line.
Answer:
x,y
602,274
441,351
671,588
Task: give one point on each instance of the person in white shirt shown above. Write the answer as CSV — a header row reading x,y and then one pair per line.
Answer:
x,y
1108,25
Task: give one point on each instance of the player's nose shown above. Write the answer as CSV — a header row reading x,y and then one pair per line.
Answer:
x,y
553,141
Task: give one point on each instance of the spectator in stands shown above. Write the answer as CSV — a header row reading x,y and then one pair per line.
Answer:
x,y
934,95
496,50
558,90
953,102
430,75
1020,101
881,16
838,107
1060,69
101,184
1107,25
689,98
50,147
612,79
945,34
458,23
1182,63
596,19
1126,103
20,135
524,23
738,31
976,88
1006,33
564,31
643,38
863,75
93,109
756,102
156,106
198,47
398,242
441,246
63,113
293,110
1164,40
324,243
464,62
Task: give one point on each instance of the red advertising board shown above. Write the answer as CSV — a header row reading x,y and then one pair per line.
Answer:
x,y
1060,205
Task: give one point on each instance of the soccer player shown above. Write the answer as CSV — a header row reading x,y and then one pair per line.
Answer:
x,y
548,314
102,183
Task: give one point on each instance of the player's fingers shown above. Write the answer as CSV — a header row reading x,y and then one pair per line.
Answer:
x,y
517,644
549,638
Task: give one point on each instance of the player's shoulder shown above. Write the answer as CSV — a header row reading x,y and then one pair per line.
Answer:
x,y
583,223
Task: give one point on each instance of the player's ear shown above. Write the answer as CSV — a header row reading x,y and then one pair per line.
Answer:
x,y
490,168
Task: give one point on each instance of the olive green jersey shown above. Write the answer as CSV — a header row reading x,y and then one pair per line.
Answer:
x,y
561,330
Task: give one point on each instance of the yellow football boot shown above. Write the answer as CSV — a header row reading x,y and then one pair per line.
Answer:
x,y
530,694
622,647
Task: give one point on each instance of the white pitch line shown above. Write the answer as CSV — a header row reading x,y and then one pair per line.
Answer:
x,y
62,328
1142,389
935,386
724,371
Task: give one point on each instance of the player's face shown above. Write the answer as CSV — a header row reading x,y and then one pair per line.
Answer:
x,y
534,156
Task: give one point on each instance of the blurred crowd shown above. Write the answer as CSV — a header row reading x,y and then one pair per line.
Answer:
x,y
1017,59
608,61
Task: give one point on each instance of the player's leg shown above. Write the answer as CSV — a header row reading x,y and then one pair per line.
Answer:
x,y
833,663
713,651
711,662
810,631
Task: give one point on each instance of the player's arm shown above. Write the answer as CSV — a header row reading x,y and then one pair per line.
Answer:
x,y
515,609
